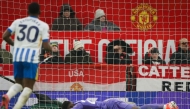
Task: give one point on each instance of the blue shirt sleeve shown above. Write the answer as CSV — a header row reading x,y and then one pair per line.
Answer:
x,y
9,30
45,40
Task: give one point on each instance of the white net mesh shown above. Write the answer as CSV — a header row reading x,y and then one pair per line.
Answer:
x,y
143,24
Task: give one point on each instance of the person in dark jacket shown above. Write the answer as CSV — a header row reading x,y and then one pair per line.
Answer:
x,y
152,57
182,55
1,59
51,58
118,53
67,20
100,23
78,55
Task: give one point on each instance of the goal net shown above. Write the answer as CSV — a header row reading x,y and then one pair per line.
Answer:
x,y
141,24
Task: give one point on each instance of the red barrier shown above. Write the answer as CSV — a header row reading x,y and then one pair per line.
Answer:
x,y
92,77
140,78
95,42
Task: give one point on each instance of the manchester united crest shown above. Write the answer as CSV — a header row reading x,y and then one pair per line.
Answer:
x,y
144,17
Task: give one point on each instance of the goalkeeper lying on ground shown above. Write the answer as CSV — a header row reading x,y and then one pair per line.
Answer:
x,y
114,104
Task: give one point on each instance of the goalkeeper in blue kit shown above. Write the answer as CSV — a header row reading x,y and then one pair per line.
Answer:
x,y
114,104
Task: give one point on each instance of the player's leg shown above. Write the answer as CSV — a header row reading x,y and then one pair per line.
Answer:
x,y
170,105
16,88
24,96
19,81
118,104
152,106
125,105
30,74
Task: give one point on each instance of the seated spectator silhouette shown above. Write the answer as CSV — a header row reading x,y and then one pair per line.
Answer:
x,y
78,55
100,23
67,20
51,58
118,53
182,55
6,57
1,59
152,57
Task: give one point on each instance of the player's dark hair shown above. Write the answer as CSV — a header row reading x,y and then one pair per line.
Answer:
x,y
65,104
34,8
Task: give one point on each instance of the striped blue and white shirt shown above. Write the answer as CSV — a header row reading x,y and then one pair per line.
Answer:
x,y
29,34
